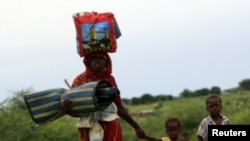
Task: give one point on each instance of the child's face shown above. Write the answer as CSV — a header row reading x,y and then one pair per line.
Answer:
x,y
97,63
173,130
214,106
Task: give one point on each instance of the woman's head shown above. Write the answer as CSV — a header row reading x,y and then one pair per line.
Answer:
x,y
98,65
97,61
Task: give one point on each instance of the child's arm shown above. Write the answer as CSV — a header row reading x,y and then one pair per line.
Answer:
x,y
181,139
199,138
152,138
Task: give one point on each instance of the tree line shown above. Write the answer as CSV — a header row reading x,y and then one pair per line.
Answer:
x,y
149,98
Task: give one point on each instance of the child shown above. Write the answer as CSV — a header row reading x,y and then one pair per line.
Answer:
x,y
98,67
214,107
173,129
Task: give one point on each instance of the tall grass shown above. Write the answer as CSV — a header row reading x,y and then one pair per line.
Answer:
x,y
15,119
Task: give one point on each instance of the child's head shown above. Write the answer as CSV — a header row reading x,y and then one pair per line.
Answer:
x,y
213,104
173,128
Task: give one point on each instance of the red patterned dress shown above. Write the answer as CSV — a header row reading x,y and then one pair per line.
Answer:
x,y
112,128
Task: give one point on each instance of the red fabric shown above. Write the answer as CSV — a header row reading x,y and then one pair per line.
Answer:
x,y
112,131
88,75
83,134
105,73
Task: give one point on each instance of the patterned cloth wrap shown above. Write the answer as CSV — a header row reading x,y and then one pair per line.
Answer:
x,y
45,106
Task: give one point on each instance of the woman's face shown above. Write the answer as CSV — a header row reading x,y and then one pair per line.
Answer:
x,y
97,63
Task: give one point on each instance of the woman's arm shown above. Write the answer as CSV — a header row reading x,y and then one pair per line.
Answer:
x,y
125,116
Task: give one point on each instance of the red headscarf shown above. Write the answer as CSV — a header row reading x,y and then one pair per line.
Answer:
x,y
90,75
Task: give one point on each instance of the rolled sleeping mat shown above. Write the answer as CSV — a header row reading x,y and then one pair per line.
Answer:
x,y
91,97
45,106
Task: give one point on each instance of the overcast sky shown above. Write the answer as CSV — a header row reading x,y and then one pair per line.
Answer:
x,y
166,45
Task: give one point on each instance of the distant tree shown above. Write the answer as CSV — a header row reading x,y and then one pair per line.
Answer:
x,y
245,84
202,92
169,97
17,100
160,97
126,100
136,101
215,90
186,93
147,98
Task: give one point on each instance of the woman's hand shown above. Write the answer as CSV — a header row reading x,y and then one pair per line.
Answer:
x,y
67,105
140,133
